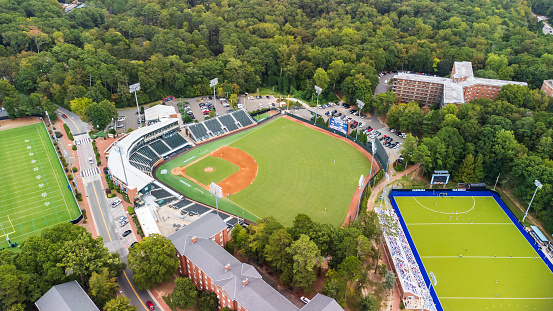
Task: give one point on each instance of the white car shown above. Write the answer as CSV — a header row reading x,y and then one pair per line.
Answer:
x,y
90,160
304,299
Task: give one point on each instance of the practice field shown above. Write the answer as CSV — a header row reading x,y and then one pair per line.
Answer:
x,y
498,269
33,190
300,170
221,169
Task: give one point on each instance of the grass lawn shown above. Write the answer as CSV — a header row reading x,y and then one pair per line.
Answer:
x,y
33,193
221,170
486,277
300,170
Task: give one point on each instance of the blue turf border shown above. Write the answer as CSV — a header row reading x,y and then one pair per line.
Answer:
x,y
452,192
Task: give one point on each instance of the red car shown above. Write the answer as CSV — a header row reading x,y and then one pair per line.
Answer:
x,y
150,305
64,116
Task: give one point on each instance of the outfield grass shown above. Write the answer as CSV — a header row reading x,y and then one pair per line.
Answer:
x,y
221,170
33,193
486,277
300,170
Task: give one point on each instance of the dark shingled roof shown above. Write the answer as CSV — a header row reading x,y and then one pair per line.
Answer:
x,y
66,297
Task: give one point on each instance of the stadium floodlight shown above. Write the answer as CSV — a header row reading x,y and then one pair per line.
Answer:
x,y
318,90
538,186
213,83
361,183
120,151
217,191
360,105
134,88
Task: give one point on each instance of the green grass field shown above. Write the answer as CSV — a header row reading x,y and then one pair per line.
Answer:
x,y
300,170
486,277
221,170
33,191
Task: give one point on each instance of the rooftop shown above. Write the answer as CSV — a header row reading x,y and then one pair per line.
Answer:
x,y
205,227
322,303
118,161
548,82
66,297
159,112
462,69
146,217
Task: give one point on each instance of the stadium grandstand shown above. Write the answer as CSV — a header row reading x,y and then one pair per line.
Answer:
x,y
211,128
411,281
132,157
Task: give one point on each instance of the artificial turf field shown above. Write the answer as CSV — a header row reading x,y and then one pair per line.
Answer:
x,y
296,173
486,277
33,189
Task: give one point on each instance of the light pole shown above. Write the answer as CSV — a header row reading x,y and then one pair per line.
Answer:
x,y
318,90
373,149
212,84
538,186
433,281
134,88
360,105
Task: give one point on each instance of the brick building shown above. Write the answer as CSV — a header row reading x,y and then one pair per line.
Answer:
x,y
460,88
547,87
239,286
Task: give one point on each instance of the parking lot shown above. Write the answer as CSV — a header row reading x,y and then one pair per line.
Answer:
x,y
118,213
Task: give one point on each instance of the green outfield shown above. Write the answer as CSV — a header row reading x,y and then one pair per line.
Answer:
x,y
221,170
33,192
300,170
498,270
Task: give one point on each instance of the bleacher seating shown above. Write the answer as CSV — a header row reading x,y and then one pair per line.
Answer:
x,y
175,141
199,132
214,126
160,147
243,117
228,122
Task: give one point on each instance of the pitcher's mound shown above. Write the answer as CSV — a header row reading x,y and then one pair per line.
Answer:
x,y
208,169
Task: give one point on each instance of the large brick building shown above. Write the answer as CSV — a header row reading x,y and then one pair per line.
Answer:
x,y
239,286
547,87
460,88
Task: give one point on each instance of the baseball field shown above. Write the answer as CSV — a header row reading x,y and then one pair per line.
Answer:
x,y
33,189
284,168
480,259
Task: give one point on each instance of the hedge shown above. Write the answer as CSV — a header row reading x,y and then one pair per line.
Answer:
x,y
68,131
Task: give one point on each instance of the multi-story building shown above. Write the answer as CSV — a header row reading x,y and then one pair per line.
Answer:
x,y
460,88
239,286
547,87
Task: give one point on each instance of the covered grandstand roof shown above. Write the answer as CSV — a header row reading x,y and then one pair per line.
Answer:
x,y
539,234
118,161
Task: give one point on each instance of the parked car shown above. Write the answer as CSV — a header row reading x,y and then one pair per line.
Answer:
x,y
116,202
126,233
133,244
122,218
123,223
304,299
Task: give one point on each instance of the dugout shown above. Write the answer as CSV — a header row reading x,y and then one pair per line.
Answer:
x,y
538,235
480,186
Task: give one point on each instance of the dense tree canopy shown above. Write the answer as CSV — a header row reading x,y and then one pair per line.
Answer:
x,y
176,47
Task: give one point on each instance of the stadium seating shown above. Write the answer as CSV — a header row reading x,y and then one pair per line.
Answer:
x,y
220,125
243,117
214,126
175,141
228,122
160,147
199,132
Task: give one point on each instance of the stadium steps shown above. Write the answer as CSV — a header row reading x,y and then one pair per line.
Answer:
x,y
222,126
148,146
238,125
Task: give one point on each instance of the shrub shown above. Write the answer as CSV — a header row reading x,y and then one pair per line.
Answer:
x,y
129,130
130,209
68,131
79,197
66,170
74,169
111,195
83,211
112,131
58,134
70,176
74,147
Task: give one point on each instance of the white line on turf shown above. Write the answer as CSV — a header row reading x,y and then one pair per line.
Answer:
x,y
440,212
477,257
456,223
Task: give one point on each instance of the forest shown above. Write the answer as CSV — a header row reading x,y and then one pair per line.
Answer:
x,y
175,47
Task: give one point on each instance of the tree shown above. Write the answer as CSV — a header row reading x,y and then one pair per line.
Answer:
x,y
276,255
121,303
307,258
369,303
184,295
336,69
208,301
409,146
389,280
352,268
321,78
153,261
467,171
334,286
102,287
79,105
302,224
13,284
98,115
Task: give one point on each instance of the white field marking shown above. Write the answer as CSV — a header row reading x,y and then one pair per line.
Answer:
x,y
28,213
36,199
455,223
456,213
25,186
243,208
478,257
499,298
37,230
53,170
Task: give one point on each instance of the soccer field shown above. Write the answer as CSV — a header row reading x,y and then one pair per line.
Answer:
x,y
33,189
498,269
300,170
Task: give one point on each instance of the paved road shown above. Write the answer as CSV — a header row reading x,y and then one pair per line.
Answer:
x,y
102,213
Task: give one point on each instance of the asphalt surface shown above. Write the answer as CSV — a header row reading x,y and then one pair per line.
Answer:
x,y
104,216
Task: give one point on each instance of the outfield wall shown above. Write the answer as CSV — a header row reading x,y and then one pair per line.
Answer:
x,y
459,193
